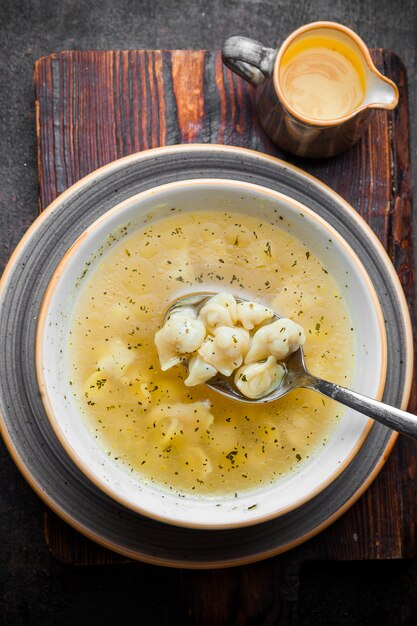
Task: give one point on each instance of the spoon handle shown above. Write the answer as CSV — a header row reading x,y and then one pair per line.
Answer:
x,y
401,421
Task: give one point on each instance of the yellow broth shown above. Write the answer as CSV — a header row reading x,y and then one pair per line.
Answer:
x,y
191,439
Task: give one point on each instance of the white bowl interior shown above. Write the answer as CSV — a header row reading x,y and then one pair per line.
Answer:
x,y
71,427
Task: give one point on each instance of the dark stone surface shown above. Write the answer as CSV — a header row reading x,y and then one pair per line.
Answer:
x,y
34,588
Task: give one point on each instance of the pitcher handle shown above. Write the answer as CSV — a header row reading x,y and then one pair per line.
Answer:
x,y
248,58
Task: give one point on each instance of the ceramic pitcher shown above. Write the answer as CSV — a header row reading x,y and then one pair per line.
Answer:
x,y
301,133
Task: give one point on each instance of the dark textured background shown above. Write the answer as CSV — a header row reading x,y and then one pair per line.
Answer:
x,y
34,588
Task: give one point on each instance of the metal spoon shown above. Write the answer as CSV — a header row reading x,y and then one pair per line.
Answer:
x,y
297,375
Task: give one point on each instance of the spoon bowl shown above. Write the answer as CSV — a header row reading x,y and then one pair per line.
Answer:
x,y
297,375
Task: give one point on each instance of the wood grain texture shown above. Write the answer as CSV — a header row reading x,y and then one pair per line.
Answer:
x,y
94,107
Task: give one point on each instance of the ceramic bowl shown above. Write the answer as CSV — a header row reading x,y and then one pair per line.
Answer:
x,y
156,502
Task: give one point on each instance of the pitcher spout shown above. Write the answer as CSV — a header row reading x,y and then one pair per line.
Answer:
x,y
382,92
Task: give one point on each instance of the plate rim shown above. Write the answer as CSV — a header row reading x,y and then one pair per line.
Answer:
x,y
383,255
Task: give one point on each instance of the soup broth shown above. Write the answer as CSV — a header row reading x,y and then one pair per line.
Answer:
x,y
190,439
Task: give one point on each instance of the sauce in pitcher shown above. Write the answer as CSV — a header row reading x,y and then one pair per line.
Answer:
x,y
322,78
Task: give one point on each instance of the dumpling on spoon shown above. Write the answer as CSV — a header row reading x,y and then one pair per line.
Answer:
x,y
181,334
220,310
199,372
226,349
251,314
259,379
278,339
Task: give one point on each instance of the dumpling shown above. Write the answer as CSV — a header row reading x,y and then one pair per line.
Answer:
x,y
198,461
259,379
179,420
226,349
115,358
181,334
278,339
185,412
251,314
220,310
199,372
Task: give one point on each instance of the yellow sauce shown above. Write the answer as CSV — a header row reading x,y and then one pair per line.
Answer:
x,y
322,78
189,438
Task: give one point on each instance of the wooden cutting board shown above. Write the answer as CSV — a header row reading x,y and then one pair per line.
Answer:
x,y
94,107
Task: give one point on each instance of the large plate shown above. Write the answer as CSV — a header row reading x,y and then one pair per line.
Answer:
x,y
26,429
